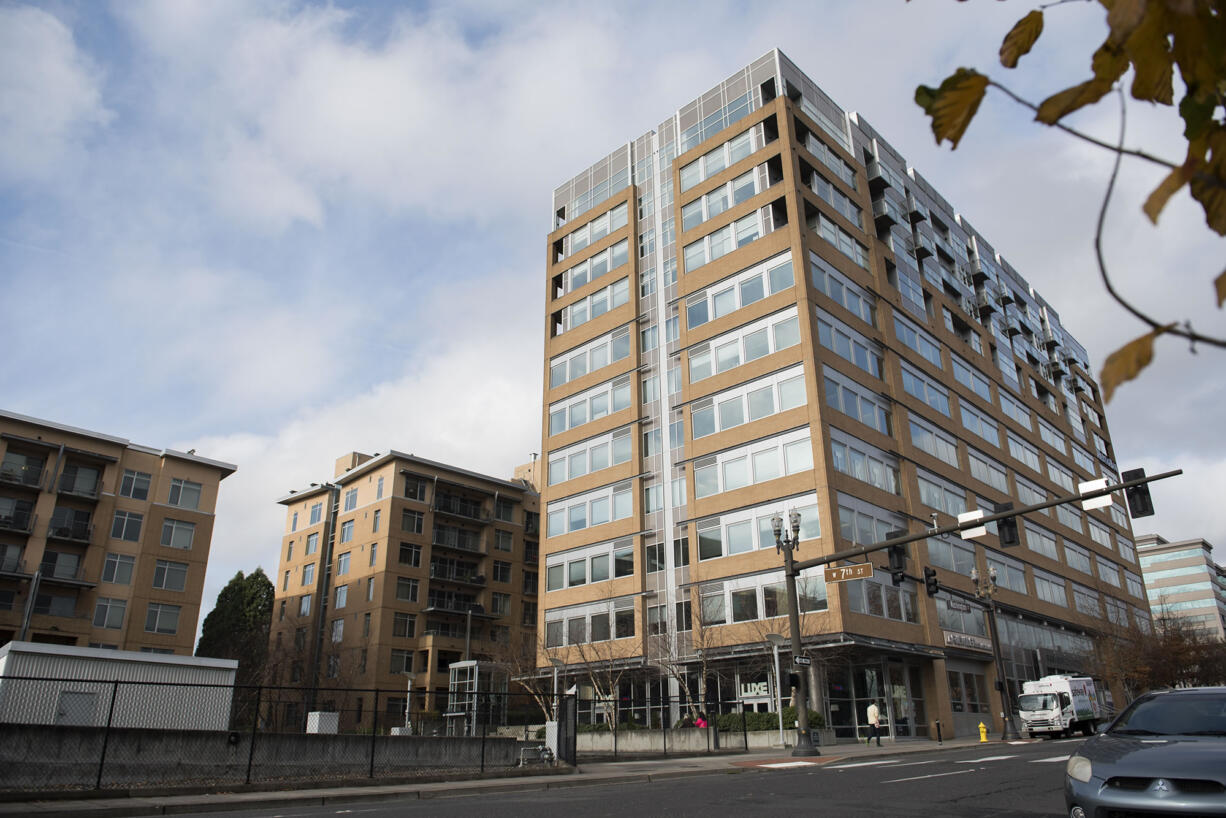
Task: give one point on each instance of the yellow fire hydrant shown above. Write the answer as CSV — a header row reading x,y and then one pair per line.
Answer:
x,y
983,732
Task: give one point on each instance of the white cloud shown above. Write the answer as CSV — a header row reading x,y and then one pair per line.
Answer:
x,y
50,97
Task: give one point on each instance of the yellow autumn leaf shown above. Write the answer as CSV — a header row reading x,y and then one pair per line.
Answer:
x,y
1175,180
1021,38
1149,49
1208,185
1123,18
953,105
1219,286
1052,109
1127,362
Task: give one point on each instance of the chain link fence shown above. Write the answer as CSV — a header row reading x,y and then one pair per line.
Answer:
x,y
71,734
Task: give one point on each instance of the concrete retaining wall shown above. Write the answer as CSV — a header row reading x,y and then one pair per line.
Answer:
x,y
691,739
40,757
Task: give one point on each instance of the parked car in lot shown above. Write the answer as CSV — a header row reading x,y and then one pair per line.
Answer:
x,y
1164,755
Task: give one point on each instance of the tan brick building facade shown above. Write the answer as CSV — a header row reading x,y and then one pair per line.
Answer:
x,y
401,565
760,306
103,542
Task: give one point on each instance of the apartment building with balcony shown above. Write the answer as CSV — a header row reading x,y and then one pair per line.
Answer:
x,y
1184,583
103,543
400,566
760,305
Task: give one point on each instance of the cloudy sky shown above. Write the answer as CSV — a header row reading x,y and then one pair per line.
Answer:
x,y
277,232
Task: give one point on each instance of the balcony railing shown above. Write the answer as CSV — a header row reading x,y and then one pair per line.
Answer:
x,y
12,565
73,488
62,569
21,522
70,531
460,507
464,577
21,475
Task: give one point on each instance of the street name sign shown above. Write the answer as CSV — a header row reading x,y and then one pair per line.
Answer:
x,y
844,573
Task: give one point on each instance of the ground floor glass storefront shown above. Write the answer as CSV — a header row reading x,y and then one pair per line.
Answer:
x,y
896,686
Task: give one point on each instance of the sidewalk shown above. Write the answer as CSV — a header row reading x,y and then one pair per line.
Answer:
x,y
585,774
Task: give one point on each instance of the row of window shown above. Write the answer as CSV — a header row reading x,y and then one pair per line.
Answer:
x,y
590,357
167,576
790,453
126,526
741,290
748,402
593,268
609,222
607,398
592,455
740,532
593,563
730,237
745,344
725,197
591,509
719,158
159,617
595,305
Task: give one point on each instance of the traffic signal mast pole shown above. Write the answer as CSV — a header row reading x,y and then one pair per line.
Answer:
x,y
799,565
792,569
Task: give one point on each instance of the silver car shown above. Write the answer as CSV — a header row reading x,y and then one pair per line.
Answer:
x,y
1164,755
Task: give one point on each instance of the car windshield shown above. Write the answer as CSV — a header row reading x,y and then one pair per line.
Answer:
x,y
1188,714
1036,701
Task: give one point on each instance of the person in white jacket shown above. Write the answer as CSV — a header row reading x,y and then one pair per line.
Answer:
x,y
874,724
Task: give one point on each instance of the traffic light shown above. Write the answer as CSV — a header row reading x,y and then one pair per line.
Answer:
x,y
1006,529
930,581
1139,502
898,563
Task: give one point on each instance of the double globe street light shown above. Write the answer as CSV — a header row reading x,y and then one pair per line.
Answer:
x,y
786,545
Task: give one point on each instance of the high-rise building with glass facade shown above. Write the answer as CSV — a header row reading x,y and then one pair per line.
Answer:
x,y
1184,583
759,306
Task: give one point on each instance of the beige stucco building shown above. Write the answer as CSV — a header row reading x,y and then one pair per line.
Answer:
x,y
400,565
759,306
103,543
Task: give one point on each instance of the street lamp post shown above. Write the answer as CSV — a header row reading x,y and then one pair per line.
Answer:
x,y
777,639
408,703
986,590
804,743
557,663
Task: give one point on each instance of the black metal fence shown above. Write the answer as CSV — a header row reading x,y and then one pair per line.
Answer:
x,y
73,734
619,727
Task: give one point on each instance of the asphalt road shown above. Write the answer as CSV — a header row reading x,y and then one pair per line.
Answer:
x,y
997,780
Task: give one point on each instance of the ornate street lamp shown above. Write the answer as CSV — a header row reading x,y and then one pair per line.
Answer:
x,y
786,545
986,591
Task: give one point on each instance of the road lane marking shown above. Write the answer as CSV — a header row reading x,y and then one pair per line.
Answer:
x,y
985,758
864,764
1049,760
921,777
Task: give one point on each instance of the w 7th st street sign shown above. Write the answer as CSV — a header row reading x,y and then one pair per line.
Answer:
x,y
845,573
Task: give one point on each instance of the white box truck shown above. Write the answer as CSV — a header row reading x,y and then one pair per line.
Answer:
x,y
1058,705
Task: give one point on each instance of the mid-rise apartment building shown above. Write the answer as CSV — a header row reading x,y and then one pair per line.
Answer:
x,y
759,306
1184,583
400,565
103,542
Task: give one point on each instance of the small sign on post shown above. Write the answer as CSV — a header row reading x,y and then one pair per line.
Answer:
x,y
845,573
802,661
1096,502
970,517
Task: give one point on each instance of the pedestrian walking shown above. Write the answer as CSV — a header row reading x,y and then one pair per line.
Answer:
x,y
874,724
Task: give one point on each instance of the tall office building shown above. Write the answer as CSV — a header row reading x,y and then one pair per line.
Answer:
x,y
103,543
400,565
759,306
1184,583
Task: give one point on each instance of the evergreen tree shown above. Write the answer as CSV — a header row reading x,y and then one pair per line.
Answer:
x,y
237,627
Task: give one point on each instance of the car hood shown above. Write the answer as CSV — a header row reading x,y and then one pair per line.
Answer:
x,y
1157,757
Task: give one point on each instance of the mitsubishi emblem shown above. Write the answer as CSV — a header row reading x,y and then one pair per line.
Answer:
x,y
1161,785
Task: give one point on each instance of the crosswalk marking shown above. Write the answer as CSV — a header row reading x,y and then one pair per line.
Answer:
x,y
1051,760
783,765
985,758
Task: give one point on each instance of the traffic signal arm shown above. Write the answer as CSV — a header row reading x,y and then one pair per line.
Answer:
x,y
956,528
